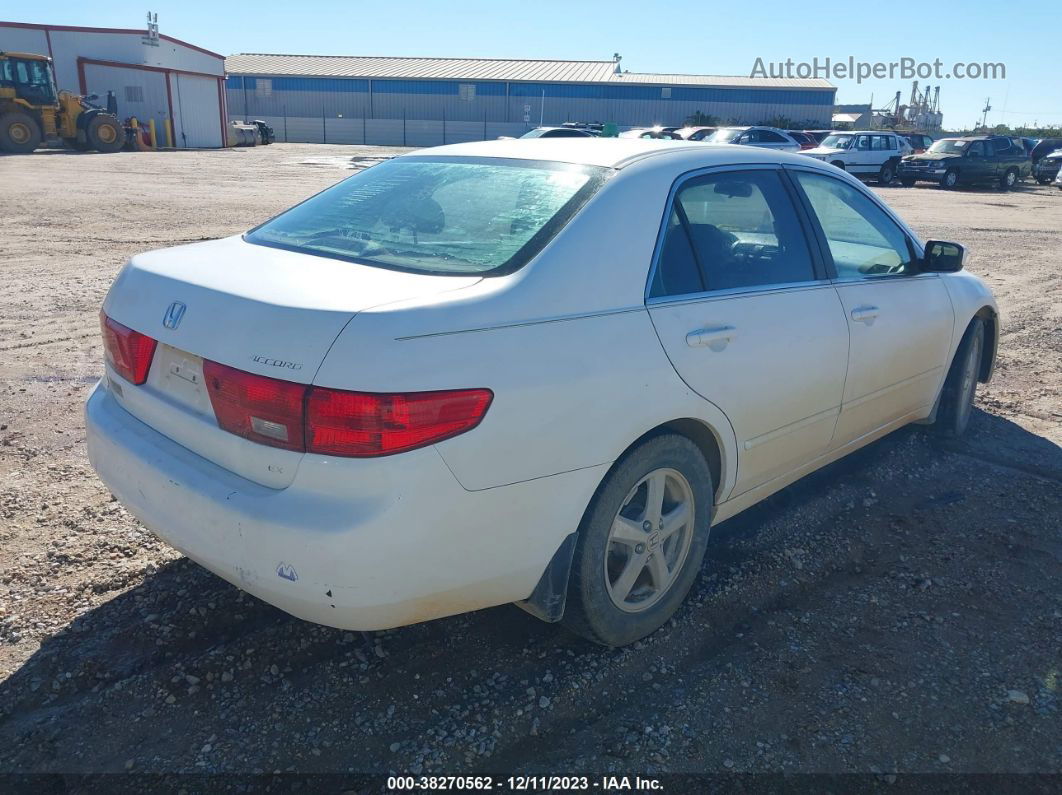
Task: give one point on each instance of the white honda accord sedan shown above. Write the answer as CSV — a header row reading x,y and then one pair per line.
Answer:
x,y
522,371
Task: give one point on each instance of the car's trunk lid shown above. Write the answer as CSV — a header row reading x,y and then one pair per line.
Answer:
x,y
262,310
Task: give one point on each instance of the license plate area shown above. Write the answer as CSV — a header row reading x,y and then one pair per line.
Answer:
x,y
178,376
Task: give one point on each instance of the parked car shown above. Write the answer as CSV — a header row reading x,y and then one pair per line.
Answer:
x,y
695,133
1058,180
417,393
764,137
660,133
1047,168
867,153
919,142
968,160
802,138
558,132
593,127
1044,147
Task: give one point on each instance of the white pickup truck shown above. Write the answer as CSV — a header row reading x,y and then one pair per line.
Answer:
x,y
870,153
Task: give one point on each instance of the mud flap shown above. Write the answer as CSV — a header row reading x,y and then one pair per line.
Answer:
x,y
547,601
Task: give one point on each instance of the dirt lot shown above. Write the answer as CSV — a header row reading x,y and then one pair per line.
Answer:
x,y
900,611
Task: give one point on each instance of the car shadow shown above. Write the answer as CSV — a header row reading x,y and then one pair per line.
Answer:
x,y
151,660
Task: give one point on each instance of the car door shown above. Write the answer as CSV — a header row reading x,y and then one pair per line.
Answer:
x,y
748,318
860,157
773,140
899,320
975,166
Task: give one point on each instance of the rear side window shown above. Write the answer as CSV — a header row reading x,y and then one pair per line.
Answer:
x,y
731,230
863,240
437,215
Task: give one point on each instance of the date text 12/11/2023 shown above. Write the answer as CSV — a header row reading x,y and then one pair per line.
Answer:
x,y
523,783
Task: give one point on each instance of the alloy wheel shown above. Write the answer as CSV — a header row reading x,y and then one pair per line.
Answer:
x,y
649,540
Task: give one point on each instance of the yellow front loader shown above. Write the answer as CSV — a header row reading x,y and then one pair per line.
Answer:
x,y
32,111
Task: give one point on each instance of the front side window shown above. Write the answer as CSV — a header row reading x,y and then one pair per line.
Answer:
x,y
34,81
863,240
766,136
977,149
448,216
731,230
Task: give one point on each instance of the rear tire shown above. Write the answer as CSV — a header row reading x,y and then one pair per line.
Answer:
x,y
105,134
19,132
907,182
887,174
955,403
641,542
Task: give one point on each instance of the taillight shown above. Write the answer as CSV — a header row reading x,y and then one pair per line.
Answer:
x,y
128,352
261,409
363,424
314,419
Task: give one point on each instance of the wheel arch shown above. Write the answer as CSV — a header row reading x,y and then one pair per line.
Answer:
x,y
547,601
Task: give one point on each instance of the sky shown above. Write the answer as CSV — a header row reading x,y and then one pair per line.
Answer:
x,y
676,36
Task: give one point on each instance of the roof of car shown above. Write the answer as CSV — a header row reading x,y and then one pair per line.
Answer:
x,y
609,152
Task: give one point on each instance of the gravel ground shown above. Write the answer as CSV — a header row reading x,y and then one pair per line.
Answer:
x,y
897,612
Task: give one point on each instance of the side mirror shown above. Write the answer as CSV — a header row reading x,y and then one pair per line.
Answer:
x,y
942,257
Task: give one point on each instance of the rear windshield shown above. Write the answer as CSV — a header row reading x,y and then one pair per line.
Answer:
x,y
450,216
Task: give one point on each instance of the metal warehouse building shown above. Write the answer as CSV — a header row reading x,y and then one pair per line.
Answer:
x,y
153,76
428,101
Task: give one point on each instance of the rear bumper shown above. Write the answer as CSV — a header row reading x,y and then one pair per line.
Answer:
x,y
353,543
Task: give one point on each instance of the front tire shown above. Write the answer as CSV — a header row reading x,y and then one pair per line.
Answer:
x,y
105,134
950,179
1009,179
641,542
907,182
19,132
956,397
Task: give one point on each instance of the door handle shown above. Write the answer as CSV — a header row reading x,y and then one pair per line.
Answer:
x,y
865,314
715,337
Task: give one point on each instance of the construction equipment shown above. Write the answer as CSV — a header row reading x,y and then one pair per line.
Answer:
x,y
32,110
251,133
